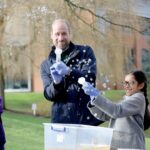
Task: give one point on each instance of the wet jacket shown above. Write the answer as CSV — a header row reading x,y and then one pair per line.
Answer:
x,y
2,133
126,118
69,100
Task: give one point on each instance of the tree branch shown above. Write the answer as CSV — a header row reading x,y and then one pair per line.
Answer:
x,y
73,5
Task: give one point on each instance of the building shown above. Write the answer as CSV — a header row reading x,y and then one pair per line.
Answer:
x,y
26,43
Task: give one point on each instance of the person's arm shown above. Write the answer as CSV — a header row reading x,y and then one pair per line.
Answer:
x,y
132,105
97,113
52,91
129,106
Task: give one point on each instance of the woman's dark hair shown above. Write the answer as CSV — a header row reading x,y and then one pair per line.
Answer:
x,y
140,77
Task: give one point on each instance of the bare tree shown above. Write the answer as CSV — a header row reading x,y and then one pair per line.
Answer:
x,y
18,24
110,23
1,61
24,39
25,34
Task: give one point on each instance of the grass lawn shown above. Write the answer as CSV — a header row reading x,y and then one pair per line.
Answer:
x,y
22,102
25,132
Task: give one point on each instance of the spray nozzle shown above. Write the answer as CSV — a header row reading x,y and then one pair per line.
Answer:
x,y
82,81
58,52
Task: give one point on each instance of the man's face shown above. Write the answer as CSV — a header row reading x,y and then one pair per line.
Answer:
x,y
60,35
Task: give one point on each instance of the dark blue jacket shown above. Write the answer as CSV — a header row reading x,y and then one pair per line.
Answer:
x,y
2,134
69,100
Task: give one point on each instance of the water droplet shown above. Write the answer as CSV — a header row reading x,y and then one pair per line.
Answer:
x,y
86,76
88,117
108,88
89,60
104,85
114,84
95,114
107,80
84,51
91,79
103,93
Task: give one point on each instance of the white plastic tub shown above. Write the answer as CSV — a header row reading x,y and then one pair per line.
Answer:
x,y
76,137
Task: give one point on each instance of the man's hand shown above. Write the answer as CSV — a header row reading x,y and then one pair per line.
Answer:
x,y
57,78
61,68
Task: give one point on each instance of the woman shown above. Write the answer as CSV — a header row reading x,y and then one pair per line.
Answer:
x,y
127,116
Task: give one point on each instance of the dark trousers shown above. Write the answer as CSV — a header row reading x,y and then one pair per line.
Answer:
x,y
2,147
2,135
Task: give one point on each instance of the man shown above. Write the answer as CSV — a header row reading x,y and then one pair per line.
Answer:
x,y
60,79
2,134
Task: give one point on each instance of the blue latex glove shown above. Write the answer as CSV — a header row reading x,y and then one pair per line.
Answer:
x,y
90,90
55,76
61,68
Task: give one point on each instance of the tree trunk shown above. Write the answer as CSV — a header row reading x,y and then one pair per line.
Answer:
x,y
2,87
